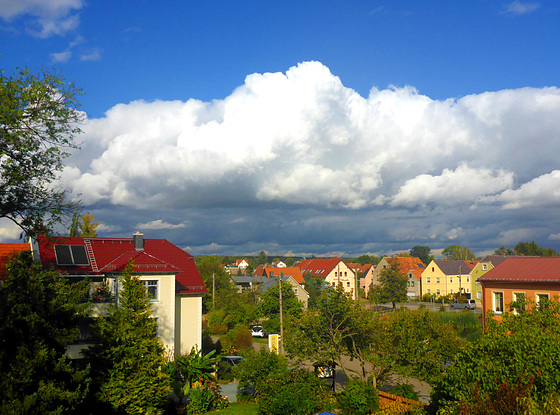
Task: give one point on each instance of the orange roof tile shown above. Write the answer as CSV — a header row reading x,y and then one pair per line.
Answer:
x,y
6,253
293,272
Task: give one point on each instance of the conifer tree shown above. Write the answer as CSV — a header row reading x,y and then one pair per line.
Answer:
x,y
129,355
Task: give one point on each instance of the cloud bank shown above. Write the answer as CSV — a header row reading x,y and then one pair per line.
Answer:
x,y
301,141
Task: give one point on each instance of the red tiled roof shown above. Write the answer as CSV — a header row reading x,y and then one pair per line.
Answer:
x,y
318,267
6,253
259,271
410,264
293,272
525,269
110,255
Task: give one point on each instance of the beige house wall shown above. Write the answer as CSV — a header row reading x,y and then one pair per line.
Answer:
x,y
188,322
343,275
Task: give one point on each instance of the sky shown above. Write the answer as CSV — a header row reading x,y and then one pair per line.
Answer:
x,y
307,128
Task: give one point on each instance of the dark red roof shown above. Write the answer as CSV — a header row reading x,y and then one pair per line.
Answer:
x,y
525,269
318,267
110,255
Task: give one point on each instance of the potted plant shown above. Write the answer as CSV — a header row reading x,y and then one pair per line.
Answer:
x,y
181,392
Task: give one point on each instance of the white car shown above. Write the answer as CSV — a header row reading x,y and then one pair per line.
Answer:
x,y
258,331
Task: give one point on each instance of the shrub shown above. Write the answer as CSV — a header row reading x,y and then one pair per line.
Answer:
x,y
406,390
358,398
242,338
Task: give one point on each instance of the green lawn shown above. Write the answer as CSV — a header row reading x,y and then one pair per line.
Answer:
x,y
238,409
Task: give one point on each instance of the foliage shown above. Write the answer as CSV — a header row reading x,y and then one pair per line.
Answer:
x,y
39,118
39,316
84,227
215,277
257,367
269,305
240,337
532,249
195,366
457,252
128,356
368,259
522,348
502,250
406,390
392,285
293,391
422,252
358,398
313,286
262,258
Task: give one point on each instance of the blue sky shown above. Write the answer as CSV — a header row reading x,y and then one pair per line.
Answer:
x,y
308,127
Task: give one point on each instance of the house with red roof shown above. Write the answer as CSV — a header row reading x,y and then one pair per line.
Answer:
x,y
335,271
534,278
7,251
293,272
169,274
412,267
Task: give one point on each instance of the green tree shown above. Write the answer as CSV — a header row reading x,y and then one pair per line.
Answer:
x,y
422,252
520,350
290,262
39,120
269,306
215,277
39,316
502,250
314,286
128,354
392,285
532,249
262,258
457,252
88,226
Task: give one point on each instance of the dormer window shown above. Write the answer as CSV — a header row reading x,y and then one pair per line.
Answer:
x,y
71,255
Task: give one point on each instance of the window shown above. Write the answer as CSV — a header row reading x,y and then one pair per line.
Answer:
x,y
451,291
468,279
412,283
519,297
152,287
499,302
484,267
429,291
348,284
296,291
335,274
71,255
543,300
433,269
479,295
438,292
437,280
345,273
427,280
451,280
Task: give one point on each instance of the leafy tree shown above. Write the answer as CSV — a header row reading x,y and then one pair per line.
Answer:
x,y
290,262
215,277
128,355
422,252
39,316
532,249
367,259
84,226
262,258
392,285
520,350
502,250
269,306
314,286
39,120
457,252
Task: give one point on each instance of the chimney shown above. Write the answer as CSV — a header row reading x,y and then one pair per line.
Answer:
x,y
138,240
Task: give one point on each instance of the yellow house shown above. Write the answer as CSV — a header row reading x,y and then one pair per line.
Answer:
x,y
443,277
169,274
335,272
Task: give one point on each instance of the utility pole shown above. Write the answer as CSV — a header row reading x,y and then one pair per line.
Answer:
x,y
281,345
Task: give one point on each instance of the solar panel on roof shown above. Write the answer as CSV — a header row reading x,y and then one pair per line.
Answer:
x,y
71,255
63,255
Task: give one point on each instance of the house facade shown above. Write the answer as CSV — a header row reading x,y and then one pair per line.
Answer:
x,y
485,265
366,278
412,267
534,278
334,271
169,274
444,277
262,284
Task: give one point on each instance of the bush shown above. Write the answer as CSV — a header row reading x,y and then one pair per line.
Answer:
x,y
406,390
242,338
358,398
294,391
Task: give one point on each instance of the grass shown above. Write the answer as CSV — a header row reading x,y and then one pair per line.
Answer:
x,y
238,409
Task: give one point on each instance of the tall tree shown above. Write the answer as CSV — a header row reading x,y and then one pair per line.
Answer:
x,y
502,250
313,286
392,285
262,258
88,226
532,249
39,316
422,252
269,306
129,355
457,252
39,120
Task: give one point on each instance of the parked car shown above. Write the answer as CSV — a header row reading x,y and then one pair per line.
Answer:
x,y
258,331
232,360
468,304
225,366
